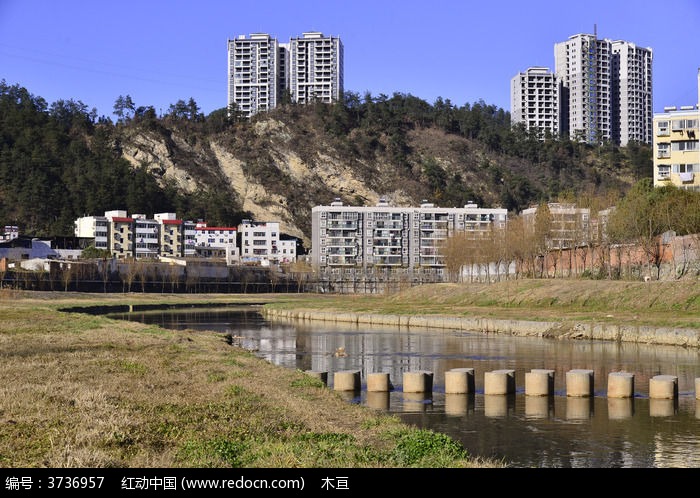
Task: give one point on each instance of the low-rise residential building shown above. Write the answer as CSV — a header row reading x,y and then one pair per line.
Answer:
x,y
177,237
216,241
138,236
120,234
146,237
287,250
260,242
386,236
10,232
677,146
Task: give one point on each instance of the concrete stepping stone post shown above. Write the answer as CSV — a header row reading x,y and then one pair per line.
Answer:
x,y
620,385
418,382
579,383
663,387
459,381
539,382
347,380
499,382
378,382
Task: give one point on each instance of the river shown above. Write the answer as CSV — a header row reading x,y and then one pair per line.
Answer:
x,y
555,431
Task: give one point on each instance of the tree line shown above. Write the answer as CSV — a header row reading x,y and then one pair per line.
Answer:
x,y
627,243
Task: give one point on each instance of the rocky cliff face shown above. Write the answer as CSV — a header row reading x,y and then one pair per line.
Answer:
x,y
286,194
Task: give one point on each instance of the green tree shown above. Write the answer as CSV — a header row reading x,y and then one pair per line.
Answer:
x,y
91,252
124,108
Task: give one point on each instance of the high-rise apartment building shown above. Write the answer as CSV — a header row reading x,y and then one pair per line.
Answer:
x,y
583,66
535,101
263,72
253,73
606,89
316,68
677,146
631,93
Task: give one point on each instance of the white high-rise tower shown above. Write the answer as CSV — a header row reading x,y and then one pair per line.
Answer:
x,y
582,64
633,110
316,68
253,67
262,73
606,90
534,101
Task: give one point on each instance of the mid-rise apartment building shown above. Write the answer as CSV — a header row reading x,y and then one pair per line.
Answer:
x,y
385,236
569,226
263,72
136,236
216,241
177,237
677,146
535,101
606,89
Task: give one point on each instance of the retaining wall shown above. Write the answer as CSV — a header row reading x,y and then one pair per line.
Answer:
x,y
563,330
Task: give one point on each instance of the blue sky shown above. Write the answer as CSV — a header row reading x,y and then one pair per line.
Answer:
x,y
159,52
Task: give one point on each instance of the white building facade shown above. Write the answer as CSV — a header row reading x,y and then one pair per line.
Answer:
x,y
253,73
260,242
534,97
606,89
216,241
385,236
262,71
315,68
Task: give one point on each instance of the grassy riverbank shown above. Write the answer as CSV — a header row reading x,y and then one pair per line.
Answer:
x,y
88,391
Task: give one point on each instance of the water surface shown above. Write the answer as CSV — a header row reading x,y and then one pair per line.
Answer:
x,y
526,431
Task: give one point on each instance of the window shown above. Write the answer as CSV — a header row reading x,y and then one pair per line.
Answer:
x,y
664,171
682,168
664,150
685,145
683,124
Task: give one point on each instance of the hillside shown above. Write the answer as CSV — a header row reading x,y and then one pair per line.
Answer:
x,y
283,163
59,162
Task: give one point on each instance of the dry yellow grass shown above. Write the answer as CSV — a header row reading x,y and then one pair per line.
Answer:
x,y
86,391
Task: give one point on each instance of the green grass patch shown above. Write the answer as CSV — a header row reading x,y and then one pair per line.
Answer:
x,y
307,381
133,367
218,452
416,447
213,377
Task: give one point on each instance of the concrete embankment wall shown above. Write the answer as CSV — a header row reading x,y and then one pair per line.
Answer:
x,y
563,330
